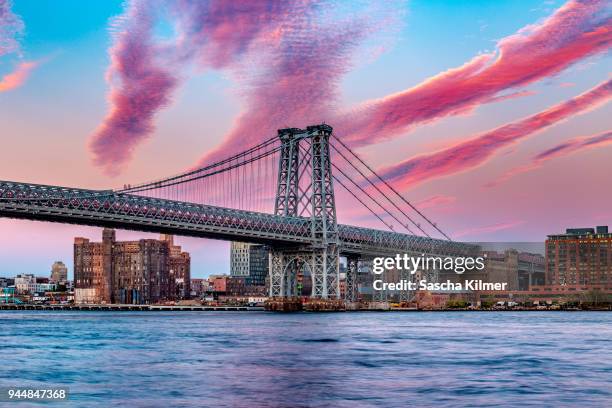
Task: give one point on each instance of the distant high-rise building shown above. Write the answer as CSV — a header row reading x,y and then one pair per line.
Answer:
x,y
239,259
59,272
144,271
581,256
250,261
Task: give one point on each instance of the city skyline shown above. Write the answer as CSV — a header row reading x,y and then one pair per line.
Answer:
x,y
475,167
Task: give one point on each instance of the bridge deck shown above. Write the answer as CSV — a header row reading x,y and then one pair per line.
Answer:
x,y
105,208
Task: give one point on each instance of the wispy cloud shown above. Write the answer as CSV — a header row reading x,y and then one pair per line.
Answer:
x,y
298,82
145,71
435,201
289,57
476,231
217,33
16,78
575,31
11,26
476,151
563,149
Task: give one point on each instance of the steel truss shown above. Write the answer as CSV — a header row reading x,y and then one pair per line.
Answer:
x,y
305,188
303,232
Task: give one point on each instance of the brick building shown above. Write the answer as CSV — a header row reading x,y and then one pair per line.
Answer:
x,y
132,272
581,256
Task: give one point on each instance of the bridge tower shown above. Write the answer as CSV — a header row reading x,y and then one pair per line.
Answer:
x,y
305,189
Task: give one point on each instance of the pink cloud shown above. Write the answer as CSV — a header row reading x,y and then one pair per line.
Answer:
x,y
435,201
488,229
16,78
476,151
298,88
145,71
217,32
11,27
512,95
575,31
299,82
141,84
561,150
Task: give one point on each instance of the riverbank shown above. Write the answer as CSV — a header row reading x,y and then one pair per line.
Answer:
x,y
160,308
139,308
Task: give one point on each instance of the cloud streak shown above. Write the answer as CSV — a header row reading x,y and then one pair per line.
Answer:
x,y
17,78
487,229
476,151
435,201
289,58
561,150
577,30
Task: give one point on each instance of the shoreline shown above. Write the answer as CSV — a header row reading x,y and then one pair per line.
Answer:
x,y
159,308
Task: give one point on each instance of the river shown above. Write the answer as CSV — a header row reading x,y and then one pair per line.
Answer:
x,y
259,359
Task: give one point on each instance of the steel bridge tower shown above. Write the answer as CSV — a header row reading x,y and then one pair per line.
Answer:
x,y
305,189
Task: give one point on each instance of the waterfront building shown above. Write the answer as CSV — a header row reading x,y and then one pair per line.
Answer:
x,y
92,269
218,283
197,287
42,287
519,270
233,286
501,267
6,282
249,261
25,283
180,269
140,272
59,272
581,256
135,272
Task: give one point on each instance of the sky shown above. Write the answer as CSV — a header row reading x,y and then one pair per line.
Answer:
x,y
492,117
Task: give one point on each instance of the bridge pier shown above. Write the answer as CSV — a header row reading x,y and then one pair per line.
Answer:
x,y
323,265
305,189
351,293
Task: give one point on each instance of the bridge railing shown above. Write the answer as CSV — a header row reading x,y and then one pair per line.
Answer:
x,y
130,208
381,242
33,201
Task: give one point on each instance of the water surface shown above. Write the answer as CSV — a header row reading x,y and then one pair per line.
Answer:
x,y
258,359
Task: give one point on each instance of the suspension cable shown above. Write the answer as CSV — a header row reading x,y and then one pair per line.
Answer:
x,y
201,169
372,198
379,190
364,204
433,224
223,170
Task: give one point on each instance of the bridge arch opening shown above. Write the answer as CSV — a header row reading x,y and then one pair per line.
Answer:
x,y
297,277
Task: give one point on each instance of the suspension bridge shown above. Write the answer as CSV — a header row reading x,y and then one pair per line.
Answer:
x,y
279,193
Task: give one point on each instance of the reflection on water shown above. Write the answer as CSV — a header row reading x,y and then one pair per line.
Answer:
x,y
254,359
